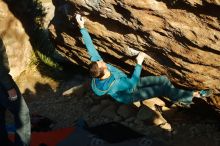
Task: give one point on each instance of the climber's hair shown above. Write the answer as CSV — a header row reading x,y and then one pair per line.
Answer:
x,y
95,71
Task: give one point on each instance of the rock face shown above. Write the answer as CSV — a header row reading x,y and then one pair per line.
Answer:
x,y
15,40
182,37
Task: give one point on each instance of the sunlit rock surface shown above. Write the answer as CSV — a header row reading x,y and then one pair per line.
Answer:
x,y
181,37
15,40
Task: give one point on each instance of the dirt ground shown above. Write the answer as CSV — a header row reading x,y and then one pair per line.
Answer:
x,y
43,94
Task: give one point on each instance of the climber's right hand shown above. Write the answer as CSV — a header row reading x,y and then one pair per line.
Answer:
x,y
140,58
80,20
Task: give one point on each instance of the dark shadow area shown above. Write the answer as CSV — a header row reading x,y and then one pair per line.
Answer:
x,y
205,110
67,72
199,107
124,12
186,42
42,91
114,132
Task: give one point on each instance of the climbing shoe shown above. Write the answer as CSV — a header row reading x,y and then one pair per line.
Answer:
x,y
205,93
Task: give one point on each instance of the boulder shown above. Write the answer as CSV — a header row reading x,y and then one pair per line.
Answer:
x,y
15,39
126,111
109,112
181,37
145,113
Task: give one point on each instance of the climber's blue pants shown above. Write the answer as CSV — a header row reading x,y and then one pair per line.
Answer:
x,y
154,86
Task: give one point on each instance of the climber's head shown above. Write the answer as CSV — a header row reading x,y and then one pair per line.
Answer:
x,y
98,69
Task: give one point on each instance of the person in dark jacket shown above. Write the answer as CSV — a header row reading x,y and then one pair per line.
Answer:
x,y
12,100
107,79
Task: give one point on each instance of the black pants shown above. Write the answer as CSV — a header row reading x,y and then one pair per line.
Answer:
x,y
21,115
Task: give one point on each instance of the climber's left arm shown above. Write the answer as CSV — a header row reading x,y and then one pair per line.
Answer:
x,y
93,53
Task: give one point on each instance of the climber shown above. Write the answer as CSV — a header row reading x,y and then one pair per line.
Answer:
x,y
107,79
11,99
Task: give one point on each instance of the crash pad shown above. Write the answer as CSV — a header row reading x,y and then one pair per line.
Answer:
x,y
50,138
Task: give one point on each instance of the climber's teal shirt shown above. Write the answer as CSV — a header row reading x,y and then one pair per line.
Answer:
x,y
119,86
